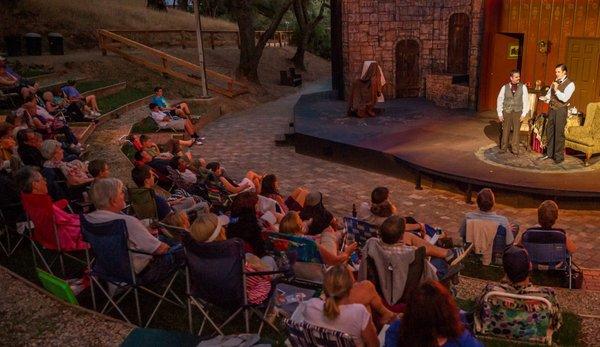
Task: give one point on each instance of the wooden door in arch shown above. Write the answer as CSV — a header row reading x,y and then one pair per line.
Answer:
x,y
408,74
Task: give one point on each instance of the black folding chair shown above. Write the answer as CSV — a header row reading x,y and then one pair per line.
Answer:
x,y
113,264
216,276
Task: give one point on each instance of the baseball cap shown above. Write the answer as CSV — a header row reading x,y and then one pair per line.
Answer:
x,y
516,263
313,199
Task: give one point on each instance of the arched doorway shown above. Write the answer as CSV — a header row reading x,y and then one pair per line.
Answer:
x,y
408,74
458,44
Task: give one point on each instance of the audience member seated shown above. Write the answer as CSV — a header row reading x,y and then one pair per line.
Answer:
x,y
381,208
179,109
251,181
328,242
315,210
209,227
152,148
247,225
337,311
164,121
8,145
142,158
108,197
485,203
68,227
547,217
431,318
75,171
57,105
180,165
143,177
16,122
11,82
29,148
390,253
46,124
292,224
517,267
73,95
175,147
270,189
98,169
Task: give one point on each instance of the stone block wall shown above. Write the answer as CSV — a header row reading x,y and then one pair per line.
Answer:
x,y
443,93
371,30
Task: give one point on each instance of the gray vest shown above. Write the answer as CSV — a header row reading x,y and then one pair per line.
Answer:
x,y
513,103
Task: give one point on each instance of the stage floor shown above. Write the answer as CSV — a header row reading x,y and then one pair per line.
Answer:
x,y
452,144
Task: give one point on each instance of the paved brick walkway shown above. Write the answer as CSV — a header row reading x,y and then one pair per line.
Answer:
x,y
245,140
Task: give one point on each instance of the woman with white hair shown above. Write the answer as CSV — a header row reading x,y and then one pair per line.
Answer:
x,y
75,171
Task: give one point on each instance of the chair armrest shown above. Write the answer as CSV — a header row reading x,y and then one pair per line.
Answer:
x,y
266,273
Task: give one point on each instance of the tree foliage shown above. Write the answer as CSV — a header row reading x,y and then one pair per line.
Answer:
x,y
251,49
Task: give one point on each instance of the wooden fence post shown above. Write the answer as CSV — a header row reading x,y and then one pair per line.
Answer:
x,y
101,41
279,38
164,65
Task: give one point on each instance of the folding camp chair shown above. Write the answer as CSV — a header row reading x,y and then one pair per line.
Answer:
x,y
143,203
299,250
9,216
475,228
216,275
40,210
413,278
548,250
361,230
303,334
113,264
525,318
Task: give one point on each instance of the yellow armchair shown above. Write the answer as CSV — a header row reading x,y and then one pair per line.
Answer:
x,y
586,138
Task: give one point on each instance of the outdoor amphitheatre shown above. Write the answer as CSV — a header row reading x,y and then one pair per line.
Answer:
x,y
300,172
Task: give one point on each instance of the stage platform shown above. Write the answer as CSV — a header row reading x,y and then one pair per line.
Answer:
x,y
414,135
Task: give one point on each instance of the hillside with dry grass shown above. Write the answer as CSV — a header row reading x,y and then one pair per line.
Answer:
x,y
77,20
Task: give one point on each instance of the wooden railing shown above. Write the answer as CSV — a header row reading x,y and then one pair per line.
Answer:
x,y
167,64
213,38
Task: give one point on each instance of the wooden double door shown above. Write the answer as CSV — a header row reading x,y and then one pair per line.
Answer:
x,y
583,58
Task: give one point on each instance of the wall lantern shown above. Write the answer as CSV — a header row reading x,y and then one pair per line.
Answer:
x,y
543,46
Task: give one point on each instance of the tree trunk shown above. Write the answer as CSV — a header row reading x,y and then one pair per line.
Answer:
x,y
156,4
183,5
307,27
251,50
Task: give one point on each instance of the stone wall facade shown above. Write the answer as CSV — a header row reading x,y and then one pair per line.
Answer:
x,y
372,28
440,89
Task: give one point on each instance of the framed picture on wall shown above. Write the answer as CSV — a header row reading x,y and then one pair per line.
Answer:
x,y
513,52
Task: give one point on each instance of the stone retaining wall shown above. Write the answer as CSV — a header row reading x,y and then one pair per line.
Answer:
x,y
371,29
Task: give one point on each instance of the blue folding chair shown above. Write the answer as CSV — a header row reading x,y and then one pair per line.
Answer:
x,y
215,275
113,264
361,230
548,250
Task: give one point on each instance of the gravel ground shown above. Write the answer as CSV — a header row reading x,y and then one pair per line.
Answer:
x,y
30,317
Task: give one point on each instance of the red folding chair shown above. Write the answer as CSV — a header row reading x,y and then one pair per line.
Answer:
x,y
47,234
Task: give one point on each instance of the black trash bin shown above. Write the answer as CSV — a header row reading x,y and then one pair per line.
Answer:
x,y
55,42
33,43
13,45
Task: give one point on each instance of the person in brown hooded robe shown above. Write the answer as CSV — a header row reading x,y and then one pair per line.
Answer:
x,y
364,93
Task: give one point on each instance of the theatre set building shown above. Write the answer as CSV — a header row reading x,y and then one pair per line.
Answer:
x,y
458,53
